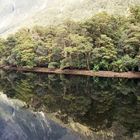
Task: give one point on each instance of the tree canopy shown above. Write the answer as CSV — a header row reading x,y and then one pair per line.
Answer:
x,y
103,42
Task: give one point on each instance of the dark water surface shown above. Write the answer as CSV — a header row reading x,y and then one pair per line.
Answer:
x,y
62,107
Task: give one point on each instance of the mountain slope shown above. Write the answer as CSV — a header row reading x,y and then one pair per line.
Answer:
x,y
15,14
80,9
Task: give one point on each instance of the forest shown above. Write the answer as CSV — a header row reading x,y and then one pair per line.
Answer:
x,y
102,42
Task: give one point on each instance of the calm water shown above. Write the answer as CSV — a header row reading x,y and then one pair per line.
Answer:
x,y
62,107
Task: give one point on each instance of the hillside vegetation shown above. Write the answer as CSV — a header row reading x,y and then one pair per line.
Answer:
x,y
103,42
57,11
15,14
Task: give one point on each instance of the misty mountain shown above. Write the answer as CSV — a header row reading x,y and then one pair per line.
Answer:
x,y
18,13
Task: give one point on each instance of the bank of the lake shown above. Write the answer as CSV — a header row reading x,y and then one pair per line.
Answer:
x,y
129,74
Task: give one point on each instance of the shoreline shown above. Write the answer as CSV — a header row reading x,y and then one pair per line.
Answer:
x,y
108,74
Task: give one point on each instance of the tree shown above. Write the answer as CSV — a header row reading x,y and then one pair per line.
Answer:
x,y
105,53
135,14
103,42
2,50
23,52
79,52
131,40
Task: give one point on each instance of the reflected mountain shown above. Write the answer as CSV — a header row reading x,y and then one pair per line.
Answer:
x,y
17,123
99,108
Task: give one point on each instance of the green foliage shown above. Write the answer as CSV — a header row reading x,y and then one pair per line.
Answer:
x,y
126,63
131,39
53,65
103,42
135,14
105,54
2,48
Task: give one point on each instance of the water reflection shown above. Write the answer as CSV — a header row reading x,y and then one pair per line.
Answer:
x,y
99,107
17,123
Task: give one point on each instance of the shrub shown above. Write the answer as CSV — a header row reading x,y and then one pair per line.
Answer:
x,y
53,65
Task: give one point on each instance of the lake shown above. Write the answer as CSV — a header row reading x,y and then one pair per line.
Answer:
x,y
67,107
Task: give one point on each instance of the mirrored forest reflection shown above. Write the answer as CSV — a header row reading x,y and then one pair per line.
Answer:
x,y
97,103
